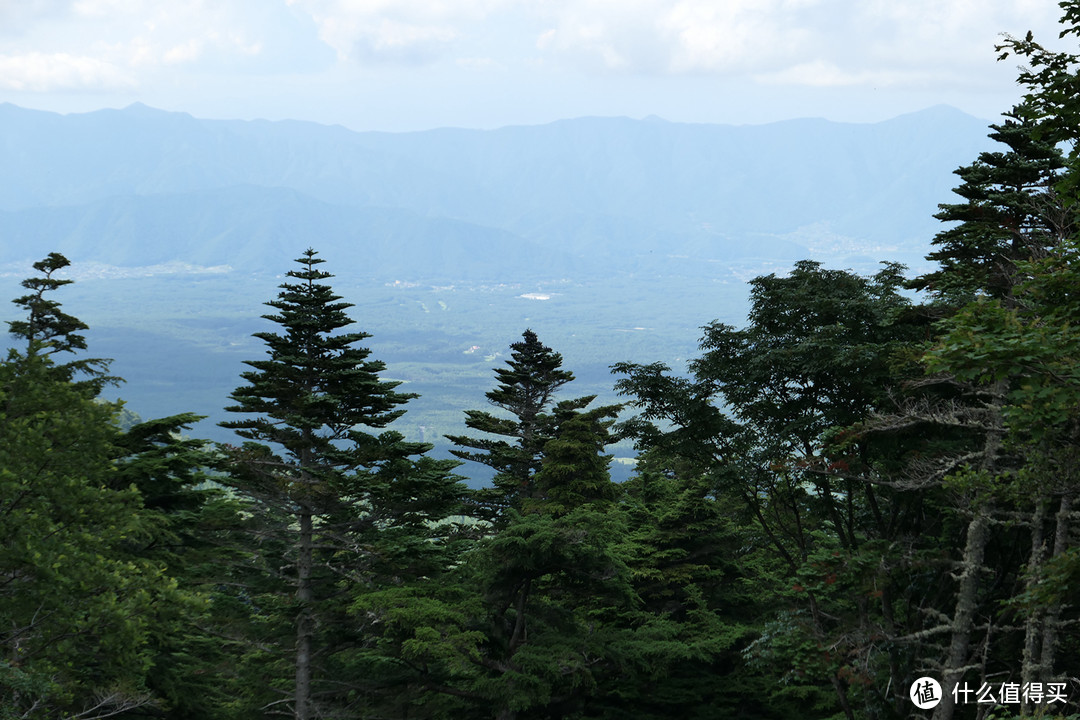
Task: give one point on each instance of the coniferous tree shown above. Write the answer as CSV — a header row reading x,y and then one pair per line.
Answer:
x,y
49,330
1011,212
759,418
86,602
526,389
527,624
553,580
46,323
191,520
315,466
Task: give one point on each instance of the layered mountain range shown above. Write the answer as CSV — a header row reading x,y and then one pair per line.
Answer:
x,y
614,239
140,186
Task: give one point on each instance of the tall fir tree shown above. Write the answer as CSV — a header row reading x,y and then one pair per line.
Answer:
x,y
323,478
526,390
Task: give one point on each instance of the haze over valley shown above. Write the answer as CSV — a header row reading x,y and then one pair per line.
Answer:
x,y
610,237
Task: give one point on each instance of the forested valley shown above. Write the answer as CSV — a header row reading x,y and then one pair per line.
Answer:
x,y
863,491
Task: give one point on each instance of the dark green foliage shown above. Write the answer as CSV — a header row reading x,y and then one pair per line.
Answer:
x,y
47,326
1011,213
75,604
815,358
527,386
48,330
93,523
701,586
347,510
532,625
837,498
815,355
574,469
192,519
1050,101
316,386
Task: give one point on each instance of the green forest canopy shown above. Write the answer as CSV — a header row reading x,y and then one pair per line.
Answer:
x,y
854,491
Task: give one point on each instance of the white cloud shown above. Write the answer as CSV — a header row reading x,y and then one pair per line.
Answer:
x,y
407,31
41,72
656,36
730,36
774,38
807,42
582,56
106,43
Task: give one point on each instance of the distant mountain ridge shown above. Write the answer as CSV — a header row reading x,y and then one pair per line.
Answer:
x,y
141,186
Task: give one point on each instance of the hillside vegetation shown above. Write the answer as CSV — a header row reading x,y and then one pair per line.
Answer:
x,y
858,503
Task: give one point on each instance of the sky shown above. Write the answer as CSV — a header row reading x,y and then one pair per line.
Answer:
x,y
402,65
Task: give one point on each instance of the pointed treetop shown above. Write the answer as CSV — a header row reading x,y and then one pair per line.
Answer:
x,y
533,374
309,261
46,323
526,388
317,387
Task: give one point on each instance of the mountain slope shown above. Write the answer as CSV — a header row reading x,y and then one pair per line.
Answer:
x,y
139,185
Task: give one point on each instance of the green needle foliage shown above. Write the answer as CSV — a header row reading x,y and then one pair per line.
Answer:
x,y
526,389
341,504
74,603
93,524
847,493
48,330
1011,212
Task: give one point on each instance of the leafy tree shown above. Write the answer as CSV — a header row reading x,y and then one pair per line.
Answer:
x,y
816,358
82,599
1014,469
324,485
1022,354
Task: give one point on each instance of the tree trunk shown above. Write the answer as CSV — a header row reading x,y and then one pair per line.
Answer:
x,y
978,534
967,594
1051,620
1033,624
304,621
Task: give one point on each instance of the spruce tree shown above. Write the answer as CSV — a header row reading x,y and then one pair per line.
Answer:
x,y
309,406
526,388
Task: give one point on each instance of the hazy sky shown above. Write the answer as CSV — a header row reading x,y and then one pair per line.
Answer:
x,y
414,64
